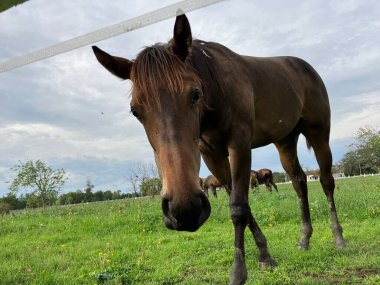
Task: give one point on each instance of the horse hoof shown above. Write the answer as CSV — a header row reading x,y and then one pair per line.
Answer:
x,y
303,246
238,278
339,244
304,243
239,270
237,282
269,263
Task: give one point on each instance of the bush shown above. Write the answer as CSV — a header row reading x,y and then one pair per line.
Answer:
x,y
5,208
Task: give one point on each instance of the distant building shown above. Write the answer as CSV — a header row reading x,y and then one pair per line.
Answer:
x,y
338,175
312,177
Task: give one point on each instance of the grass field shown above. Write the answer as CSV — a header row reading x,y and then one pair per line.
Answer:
x,y
125,242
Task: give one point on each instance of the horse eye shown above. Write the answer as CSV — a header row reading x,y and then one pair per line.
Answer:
x,y
135,113
196,96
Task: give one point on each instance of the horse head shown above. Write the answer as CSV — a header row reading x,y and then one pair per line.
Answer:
x,y
167,100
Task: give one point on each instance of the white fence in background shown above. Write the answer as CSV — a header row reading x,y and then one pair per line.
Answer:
x,y
336,178
362,175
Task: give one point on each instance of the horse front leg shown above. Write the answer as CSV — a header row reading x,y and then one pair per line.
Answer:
x,y
240,162
219,165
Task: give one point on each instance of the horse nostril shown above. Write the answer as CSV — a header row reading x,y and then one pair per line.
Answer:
x,y
165,206
169,220
206,209
188,215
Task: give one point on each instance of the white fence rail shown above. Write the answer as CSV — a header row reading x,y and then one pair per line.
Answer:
x,y
343,177
107,32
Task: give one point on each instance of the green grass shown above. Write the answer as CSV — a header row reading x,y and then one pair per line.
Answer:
x,y
125,242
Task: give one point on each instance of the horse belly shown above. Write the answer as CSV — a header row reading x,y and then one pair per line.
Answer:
x,y
275,123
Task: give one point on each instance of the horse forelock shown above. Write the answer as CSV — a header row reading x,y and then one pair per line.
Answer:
x,y
157,68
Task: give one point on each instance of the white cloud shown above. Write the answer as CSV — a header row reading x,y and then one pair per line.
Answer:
x,y
346,6
47,141
357,111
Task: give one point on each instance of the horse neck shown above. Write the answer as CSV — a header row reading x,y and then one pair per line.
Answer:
x,y
207,60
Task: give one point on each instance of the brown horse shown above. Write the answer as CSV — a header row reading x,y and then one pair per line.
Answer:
x,y
211,182
200,98
202,181
263,176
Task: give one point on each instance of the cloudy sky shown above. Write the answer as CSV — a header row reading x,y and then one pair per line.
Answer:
x,y
69,112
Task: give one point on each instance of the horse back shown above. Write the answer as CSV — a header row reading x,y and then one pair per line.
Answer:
x,y
287,91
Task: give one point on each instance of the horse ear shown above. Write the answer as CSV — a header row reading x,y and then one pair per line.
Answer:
x,y
182,38
118,66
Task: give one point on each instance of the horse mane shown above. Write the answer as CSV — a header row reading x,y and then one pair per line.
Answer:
x,y
157,66
207,65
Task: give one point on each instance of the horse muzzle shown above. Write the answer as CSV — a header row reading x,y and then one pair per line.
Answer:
x,y
187,216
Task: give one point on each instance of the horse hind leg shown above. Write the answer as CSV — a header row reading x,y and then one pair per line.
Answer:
x,y
319,142
269,187
252,185
255,188
213,190
205,190
287,149
265,259
275,186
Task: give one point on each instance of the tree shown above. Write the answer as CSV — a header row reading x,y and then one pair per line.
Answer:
x,y
150,186
5,208
79,196
279,177
99,196
140,171
44,182
368,146
88,195
33,201
116,195
107,195
351,164
364,157
66,199
16,203
337,168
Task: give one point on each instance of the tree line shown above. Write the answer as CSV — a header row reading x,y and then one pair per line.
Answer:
x,y
44,185
34,200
